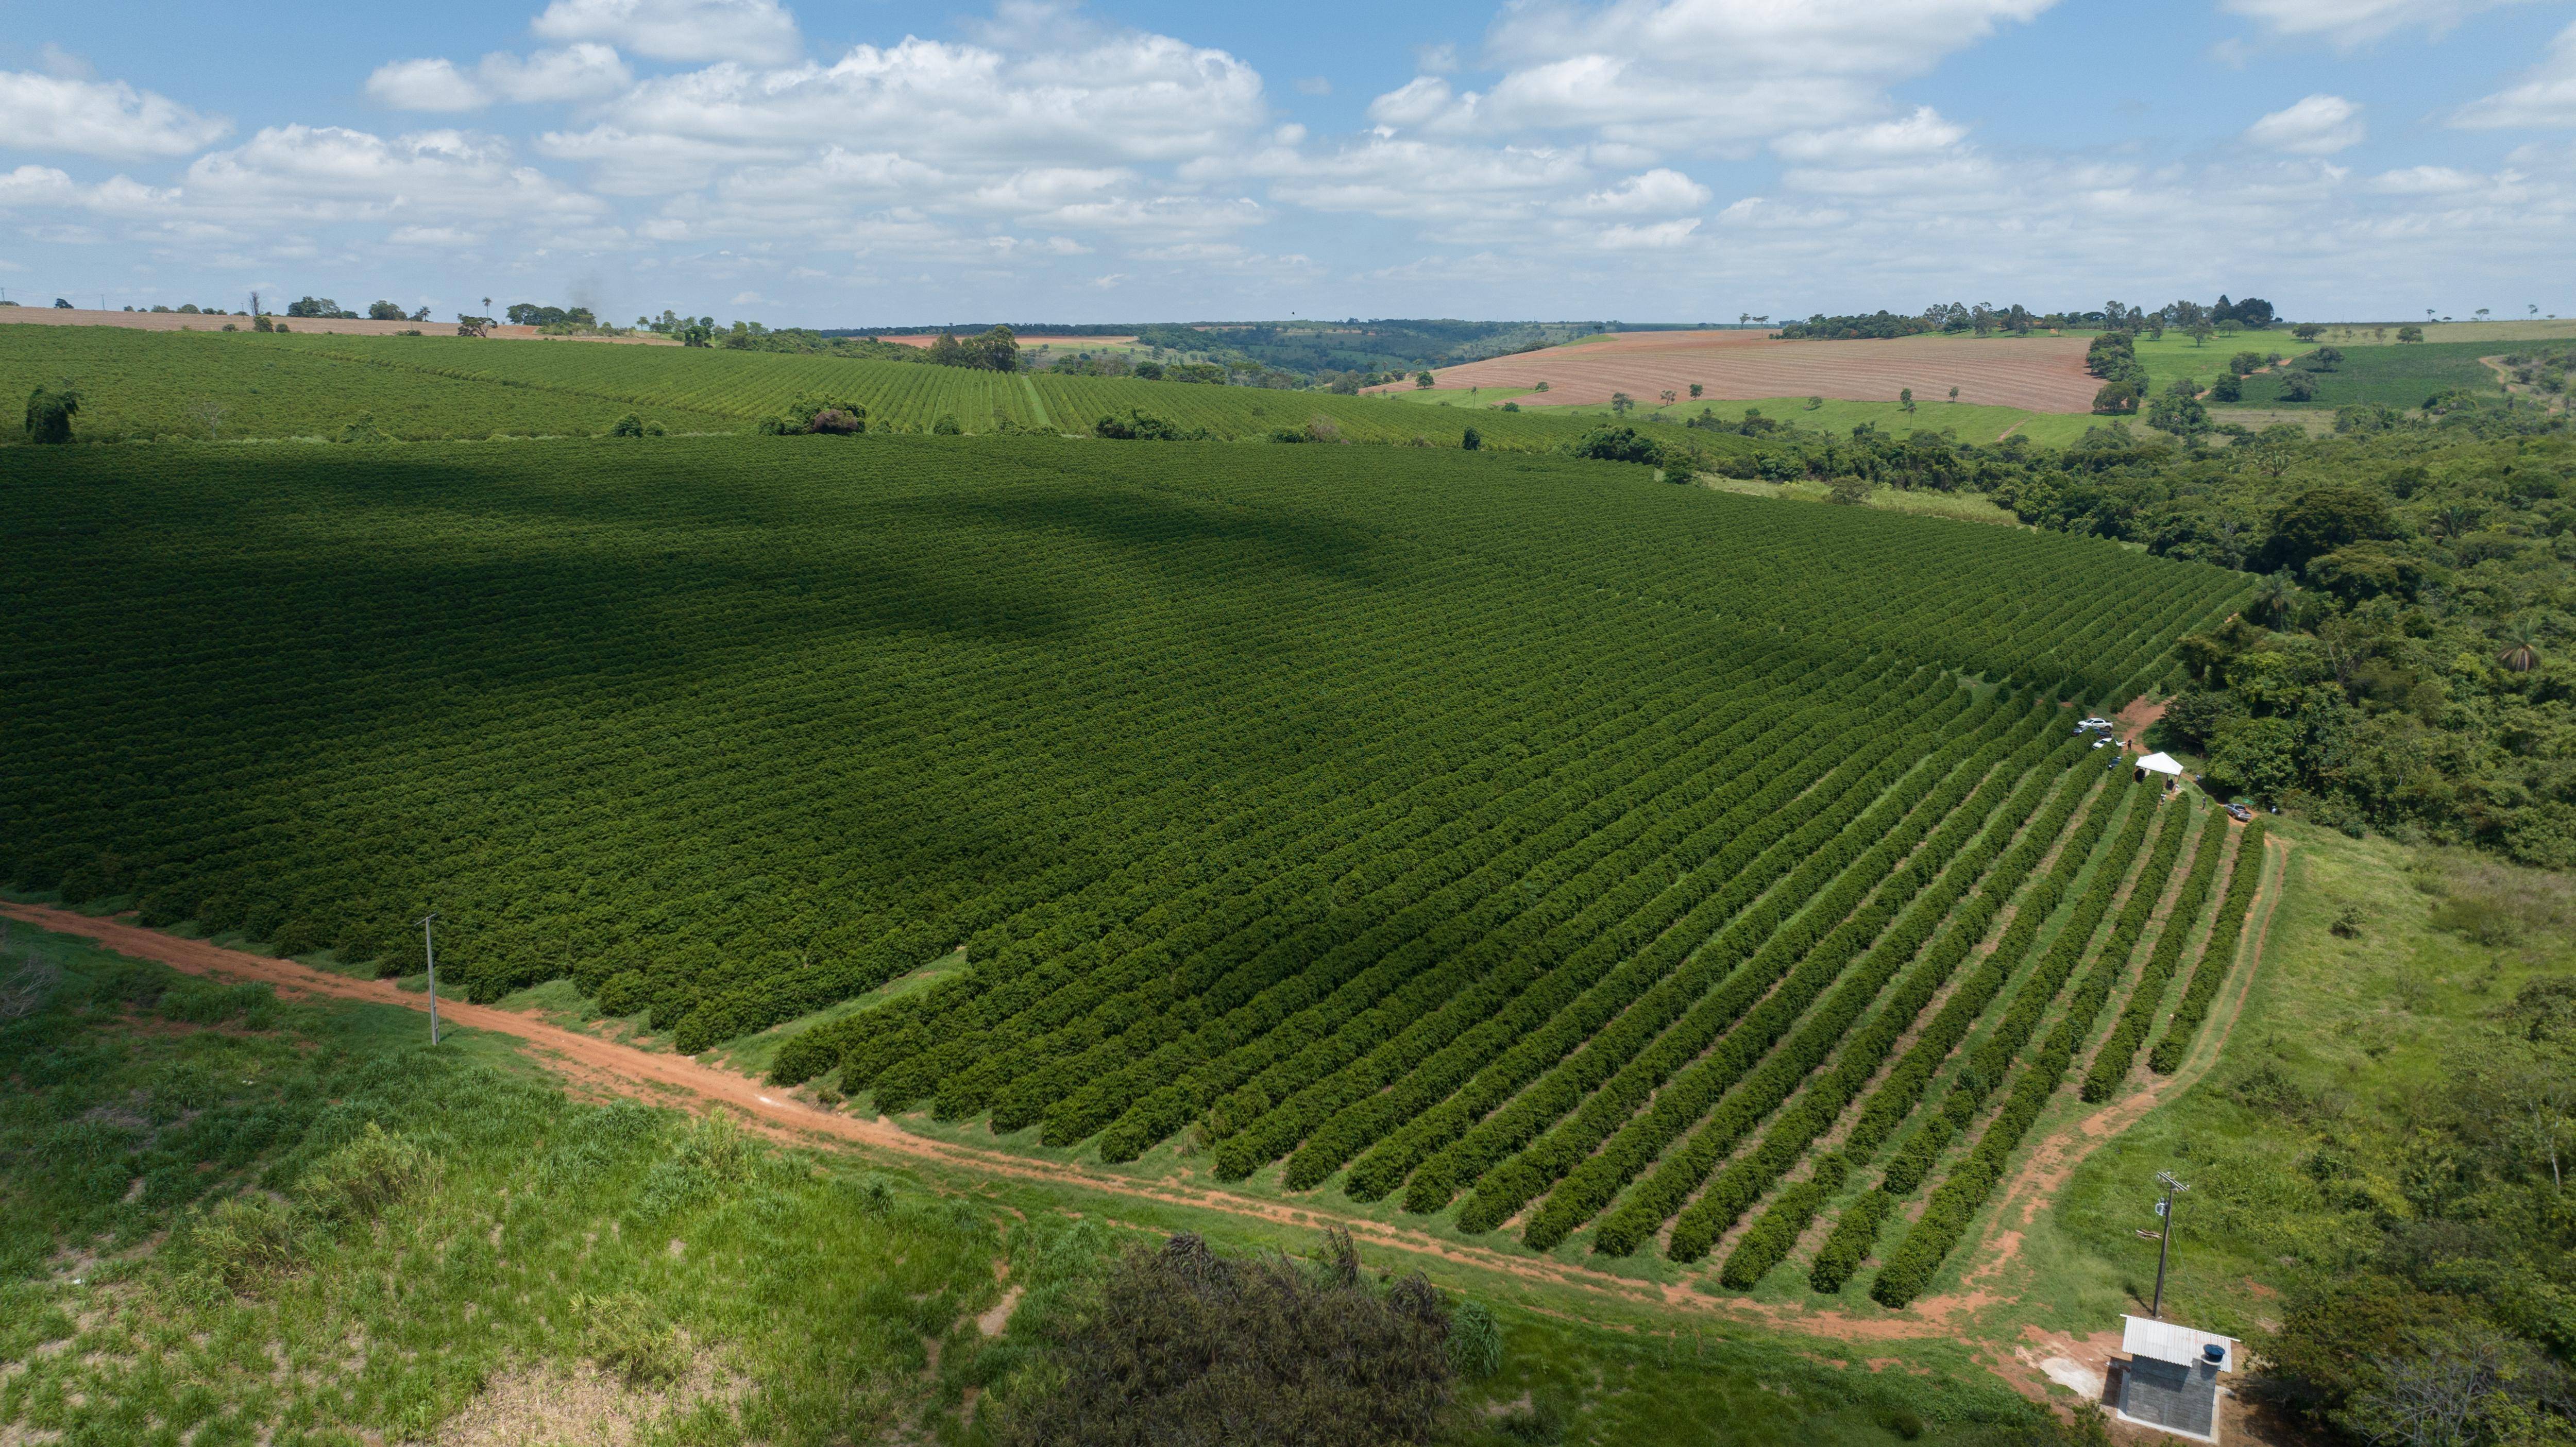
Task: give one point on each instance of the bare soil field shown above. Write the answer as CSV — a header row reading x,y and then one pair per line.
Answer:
x,y
2037,374
215,322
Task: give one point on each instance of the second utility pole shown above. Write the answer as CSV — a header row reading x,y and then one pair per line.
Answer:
x,y
429,950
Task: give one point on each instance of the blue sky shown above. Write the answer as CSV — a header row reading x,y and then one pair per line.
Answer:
x,y
875,164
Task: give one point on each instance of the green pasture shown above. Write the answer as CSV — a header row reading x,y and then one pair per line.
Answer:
x,y
1968,421
2175,356
2393,375
2502,329
234,387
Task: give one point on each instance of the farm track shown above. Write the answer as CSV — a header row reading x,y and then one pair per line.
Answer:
x,y
595,1064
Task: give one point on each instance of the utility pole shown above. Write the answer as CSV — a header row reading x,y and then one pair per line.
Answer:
x,y
429,949
2164,1238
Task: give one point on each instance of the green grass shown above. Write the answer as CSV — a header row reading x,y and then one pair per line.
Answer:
x,y
2396,376
1974,507
2176,356
141,385
2501,330
138,385
1971,423
524,1260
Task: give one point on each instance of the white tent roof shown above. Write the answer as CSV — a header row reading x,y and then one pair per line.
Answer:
x,y
2166,1341
2160,764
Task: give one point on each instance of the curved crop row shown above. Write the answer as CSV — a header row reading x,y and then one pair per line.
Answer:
x,y
1860,1058
2111,1061
1948,865
1893,1101
1945,1218
1603,1082
2217,956
1821,942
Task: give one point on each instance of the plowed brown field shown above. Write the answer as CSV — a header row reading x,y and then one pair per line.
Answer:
x,y
2037,374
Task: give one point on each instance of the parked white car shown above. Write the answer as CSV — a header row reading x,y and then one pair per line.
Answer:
x,y
2092,723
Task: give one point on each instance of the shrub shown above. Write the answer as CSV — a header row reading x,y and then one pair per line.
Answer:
x,y
631,425
240,1247
1136,425
359,1180
946,426
2117,397
1185,1345
626,1335
49,415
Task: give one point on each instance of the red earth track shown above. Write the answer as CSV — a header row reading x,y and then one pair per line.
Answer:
x,y
2038,374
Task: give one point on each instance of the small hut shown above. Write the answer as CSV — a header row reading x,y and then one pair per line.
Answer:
x,y
2170,1381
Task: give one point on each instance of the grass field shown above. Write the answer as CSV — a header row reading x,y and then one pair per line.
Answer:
x,y
2513,329
2175,356
570,1271
143,385
2397,376
1969,423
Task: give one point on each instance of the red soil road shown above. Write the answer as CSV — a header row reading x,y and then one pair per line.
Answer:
x,y
2038,374
603,1066
215,322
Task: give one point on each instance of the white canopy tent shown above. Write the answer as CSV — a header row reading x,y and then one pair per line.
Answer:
x,y
2160,764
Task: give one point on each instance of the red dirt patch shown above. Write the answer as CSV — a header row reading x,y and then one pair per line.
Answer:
x,y
2042,374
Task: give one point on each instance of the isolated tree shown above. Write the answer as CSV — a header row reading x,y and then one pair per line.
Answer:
x,y
211,413
2326,359
1422,381
1905,398
1667,396
2410,334
1541,387
2522,655
1620,402
1954,394
2307,331
1695,391
384,311
2201,332
2298,387
2481,314
50,413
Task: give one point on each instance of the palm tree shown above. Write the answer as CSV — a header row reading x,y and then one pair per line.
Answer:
x,y
2273,595
2522,657
2454,521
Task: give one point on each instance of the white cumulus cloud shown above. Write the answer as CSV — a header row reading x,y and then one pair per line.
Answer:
x,y
2319,125
99,118
2348,23
2546,97
586,71
760,32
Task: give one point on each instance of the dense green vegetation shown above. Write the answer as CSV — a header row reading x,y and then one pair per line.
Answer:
x,y
2399,666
